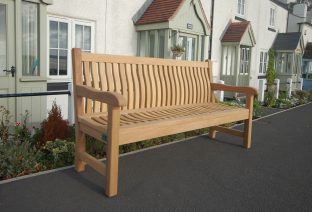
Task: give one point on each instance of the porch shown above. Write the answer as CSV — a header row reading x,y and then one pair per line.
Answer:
x,y
191,175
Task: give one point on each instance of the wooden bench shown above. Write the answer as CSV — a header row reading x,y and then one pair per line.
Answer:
x,y
122,100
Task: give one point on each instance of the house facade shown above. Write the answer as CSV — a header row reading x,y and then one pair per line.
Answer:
x,y
36,37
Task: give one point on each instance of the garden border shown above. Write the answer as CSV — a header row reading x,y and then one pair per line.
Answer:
x,y
140,150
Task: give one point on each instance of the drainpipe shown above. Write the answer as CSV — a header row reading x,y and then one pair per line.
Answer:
x,y
211,25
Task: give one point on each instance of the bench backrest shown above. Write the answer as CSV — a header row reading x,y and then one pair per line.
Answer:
x,y
144,82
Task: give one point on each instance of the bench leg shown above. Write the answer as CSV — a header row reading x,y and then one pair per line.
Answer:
x,y
112,152
247,133
212,133
80,147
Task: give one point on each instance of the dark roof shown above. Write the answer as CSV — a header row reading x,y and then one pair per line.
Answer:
x,y
235,31
308,51
287,41
282,5
160,11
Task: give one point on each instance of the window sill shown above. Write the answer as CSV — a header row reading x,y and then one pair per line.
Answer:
x,y
33,79
272,29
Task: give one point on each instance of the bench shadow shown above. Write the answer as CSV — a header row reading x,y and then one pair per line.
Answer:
x,y
82,178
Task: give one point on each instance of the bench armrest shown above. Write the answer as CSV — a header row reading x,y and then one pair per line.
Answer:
x,y
238,89
111,98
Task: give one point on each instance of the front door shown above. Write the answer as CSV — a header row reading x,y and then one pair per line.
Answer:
x,y
243,74
7,54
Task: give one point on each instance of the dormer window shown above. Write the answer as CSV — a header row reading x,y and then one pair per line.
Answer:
x,y
272,17
241,7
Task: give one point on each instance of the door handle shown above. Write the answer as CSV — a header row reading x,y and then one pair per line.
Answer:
x,y
12,71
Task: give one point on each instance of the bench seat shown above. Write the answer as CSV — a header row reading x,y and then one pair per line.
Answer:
x,y
148,123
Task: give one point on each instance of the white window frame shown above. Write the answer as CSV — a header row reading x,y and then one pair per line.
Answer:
x,y
71,44
84,23
64,20
272,20
263,65
241,8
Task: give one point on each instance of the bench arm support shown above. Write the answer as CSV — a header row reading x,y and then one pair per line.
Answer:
x,y
111,98
238,89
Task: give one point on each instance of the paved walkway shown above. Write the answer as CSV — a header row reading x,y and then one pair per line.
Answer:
x,y
193,175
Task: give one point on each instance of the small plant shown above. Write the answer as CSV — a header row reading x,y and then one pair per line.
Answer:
x,y
4,124
178,48
257,108
58,153
17,159
54,127
269,99
302,96
22,133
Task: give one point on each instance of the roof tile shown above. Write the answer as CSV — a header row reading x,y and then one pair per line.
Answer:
x,y
235,31
160,11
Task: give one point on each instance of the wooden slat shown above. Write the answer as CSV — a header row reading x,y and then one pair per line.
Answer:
x,y
168,87
142,89
109,77
158,86
181,87
140,60
87,81
152,79
117,83
130,96
172,86
136,86
123,81
229,131
163,86
96,85
185,85
93,162
103,84
177,86
148,87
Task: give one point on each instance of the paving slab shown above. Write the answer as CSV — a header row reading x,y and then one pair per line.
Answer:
x,y
194,175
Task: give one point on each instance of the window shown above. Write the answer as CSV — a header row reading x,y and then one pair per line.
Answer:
x,y
263,62
83,38
241,7
58,48
65,34
272,17
244,66
30,41
284,63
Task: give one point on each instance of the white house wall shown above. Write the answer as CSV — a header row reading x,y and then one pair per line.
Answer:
x,y
258,13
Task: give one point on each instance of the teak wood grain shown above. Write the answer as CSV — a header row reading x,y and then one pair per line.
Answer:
x,y
123,99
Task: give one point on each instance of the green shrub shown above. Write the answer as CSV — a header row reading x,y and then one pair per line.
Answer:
x,y
17,159
4,124
257,108
269,99
302,96
58,153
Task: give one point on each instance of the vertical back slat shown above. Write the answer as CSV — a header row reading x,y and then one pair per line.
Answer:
x,y
172,85
136,86
163,86
142,86
116,78
96,85
205,85
87,81
123,81
177,86
152,78
192,72
158,86
181,86
103,83
185,85
109,75
168,86
147,86
130,87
